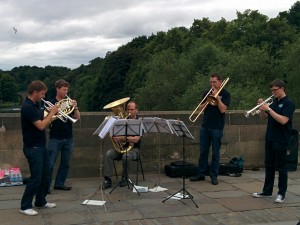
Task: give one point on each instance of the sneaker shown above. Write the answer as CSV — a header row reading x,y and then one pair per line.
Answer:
x,y
47,206
280,199
29,212
197,178
106,183
123,182
261,195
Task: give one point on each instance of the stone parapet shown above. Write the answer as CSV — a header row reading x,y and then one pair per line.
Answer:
x,y
242,136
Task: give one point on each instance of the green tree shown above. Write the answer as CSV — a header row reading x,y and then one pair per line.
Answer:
x,y
8,88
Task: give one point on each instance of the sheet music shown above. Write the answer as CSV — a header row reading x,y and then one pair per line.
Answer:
x,y
156,124
149,125
105,126
180,129
127,127
163,125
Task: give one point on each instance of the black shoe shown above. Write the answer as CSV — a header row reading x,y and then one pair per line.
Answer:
x,y
214,181
49,192
197,178
106,183
63,187
123,182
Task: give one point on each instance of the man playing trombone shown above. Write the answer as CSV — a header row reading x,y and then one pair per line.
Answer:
x,y
214,104
279,114
61,135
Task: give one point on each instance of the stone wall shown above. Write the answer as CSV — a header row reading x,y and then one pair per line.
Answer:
x,y
242,136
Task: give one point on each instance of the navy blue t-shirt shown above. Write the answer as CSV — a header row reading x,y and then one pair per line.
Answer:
x,y
277,132
32,136
59,129
213,118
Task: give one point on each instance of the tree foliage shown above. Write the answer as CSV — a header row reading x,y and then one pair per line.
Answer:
x,y
170,70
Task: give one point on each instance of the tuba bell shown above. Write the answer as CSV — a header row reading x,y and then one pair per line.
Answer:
x,y
118,107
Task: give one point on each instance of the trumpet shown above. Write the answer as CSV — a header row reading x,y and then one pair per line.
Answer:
x,y
60,114
255,110
208,99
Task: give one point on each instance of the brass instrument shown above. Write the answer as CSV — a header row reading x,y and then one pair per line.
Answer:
x,y
255,110
208,99
118,107
64,109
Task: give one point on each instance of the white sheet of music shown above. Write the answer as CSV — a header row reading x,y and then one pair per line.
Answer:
x,y
105,126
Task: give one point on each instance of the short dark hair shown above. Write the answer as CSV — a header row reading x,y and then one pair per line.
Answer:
x,y
61,83
277,83
217,75
37,86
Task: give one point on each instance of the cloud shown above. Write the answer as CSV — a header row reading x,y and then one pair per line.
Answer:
x,y
71,33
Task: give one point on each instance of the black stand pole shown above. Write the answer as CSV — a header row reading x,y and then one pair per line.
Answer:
x,y
185,193
129,182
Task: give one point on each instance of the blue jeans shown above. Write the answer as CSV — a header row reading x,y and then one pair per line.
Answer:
x,y
65,147
275,159
210,137
38,183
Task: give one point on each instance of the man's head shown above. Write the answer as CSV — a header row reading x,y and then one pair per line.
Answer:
x,y
62,88
132,109
277,87
215,81
37,90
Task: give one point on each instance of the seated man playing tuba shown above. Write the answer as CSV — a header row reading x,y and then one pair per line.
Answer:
x,y
131,142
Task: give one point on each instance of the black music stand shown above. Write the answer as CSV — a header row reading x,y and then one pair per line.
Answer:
x,y
156,125
126,127
181,130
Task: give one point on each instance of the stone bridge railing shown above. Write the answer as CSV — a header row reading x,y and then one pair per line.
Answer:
x,y
242,136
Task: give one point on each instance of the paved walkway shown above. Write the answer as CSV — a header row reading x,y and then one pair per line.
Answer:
x,y
229,203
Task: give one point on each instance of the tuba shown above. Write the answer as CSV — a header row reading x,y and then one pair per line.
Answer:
x,y
118,107
65,108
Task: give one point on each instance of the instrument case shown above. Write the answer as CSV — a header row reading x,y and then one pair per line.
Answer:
x,y
187,169
180,169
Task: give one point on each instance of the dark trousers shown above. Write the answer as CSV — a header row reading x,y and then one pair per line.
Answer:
x,y
38,183
210,137
275,159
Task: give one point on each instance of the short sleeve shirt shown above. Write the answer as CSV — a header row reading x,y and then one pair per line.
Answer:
x,y
32,136
213,118
277,132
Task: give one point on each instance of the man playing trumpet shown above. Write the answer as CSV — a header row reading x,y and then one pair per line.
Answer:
x,y
280,116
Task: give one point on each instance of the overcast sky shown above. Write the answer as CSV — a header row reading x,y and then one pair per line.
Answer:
x,y
73,32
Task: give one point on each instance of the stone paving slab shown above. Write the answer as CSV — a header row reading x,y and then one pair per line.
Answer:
x,y
229,203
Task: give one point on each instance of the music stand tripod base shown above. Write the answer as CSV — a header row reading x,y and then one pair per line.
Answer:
x,y
181,130
129,182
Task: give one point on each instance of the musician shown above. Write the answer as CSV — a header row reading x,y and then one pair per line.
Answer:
x,y
211,130
132,155
61,138
280,115
34,147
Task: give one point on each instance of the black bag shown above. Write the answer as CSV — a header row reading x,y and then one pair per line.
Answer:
x,y
292,153
233,168
180,169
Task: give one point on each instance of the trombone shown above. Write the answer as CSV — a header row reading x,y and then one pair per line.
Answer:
x,y
255,110
208,99
60,114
